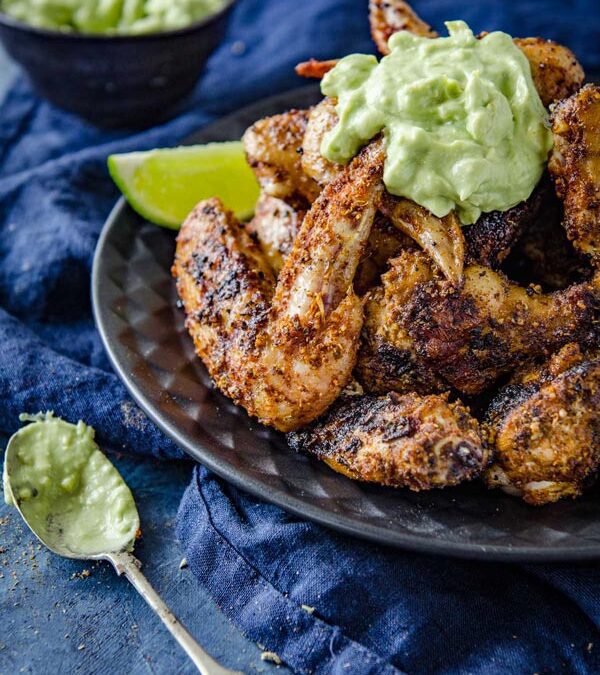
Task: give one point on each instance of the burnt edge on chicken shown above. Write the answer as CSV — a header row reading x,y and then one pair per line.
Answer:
x,y
420,442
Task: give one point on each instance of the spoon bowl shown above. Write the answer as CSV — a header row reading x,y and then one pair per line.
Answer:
x,y
77,504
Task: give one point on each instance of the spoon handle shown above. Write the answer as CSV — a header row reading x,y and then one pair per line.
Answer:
x,y
127,564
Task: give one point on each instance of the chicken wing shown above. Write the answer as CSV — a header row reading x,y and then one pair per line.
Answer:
x,y
545,429
387,359
543,254
275,226
321,119
555,70
463,336
282,350
273,148
442,238
491,238
419,442
387,17
575,167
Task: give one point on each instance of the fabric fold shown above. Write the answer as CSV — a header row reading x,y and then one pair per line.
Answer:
x,y
377,609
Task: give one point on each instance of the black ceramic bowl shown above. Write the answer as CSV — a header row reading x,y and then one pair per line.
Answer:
x,y
114,80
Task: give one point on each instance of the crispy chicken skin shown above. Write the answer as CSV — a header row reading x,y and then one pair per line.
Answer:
x,y
274,226
545,429
273,148
490,240
439,335
543,255
387,359
575,167
282,350
321,119
419,442
555,70
387,17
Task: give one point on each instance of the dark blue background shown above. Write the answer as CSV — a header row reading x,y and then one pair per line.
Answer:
x,y
374,606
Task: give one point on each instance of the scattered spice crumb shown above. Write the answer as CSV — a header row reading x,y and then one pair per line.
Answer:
x,y
271,656
238,47
133,417
308,609
183,564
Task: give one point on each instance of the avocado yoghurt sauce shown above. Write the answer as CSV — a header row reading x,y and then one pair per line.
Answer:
x,y
66,488
111,17
463,125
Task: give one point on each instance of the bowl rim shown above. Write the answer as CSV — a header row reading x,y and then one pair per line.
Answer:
x,y
74,36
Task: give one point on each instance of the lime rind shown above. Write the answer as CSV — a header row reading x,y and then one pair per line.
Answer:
x,y
164,185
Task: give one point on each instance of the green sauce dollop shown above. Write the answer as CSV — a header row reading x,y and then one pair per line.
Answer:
x,y
463,124
128,17
66,488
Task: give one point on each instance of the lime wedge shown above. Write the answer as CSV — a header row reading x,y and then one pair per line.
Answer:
x,y
163,186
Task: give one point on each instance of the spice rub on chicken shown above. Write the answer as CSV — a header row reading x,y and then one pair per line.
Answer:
x,y
420,442
544,428
421,332
575,167
283,349
335,278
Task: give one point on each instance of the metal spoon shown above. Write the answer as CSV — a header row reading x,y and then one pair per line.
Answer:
x,y
53,530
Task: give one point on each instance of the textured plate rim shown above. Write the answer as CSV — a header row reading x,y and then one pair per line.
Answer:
x,y
345,524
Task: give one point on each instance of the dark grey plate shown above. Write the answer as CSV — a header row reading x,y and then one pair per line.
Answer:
x,y
142,329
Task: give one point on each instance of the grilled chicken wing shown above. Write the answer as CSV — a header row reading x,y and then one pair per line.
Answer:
x,y
275,225
419,442
492,237
555,70
273,148
545,429
441,238
321,119
436,334
387,17
314,69
575,167
283,351
543,255
388,359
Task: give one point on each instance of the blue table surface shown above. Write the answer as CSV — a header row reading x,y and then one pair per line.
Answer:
x,y
74,617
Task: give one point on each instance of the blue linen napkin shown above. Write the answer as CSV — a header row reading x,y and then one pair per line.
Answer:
x,y
376,609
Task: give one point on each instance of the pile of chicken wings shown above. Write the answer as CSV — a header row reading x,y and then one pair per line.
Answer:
x,y
398,347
